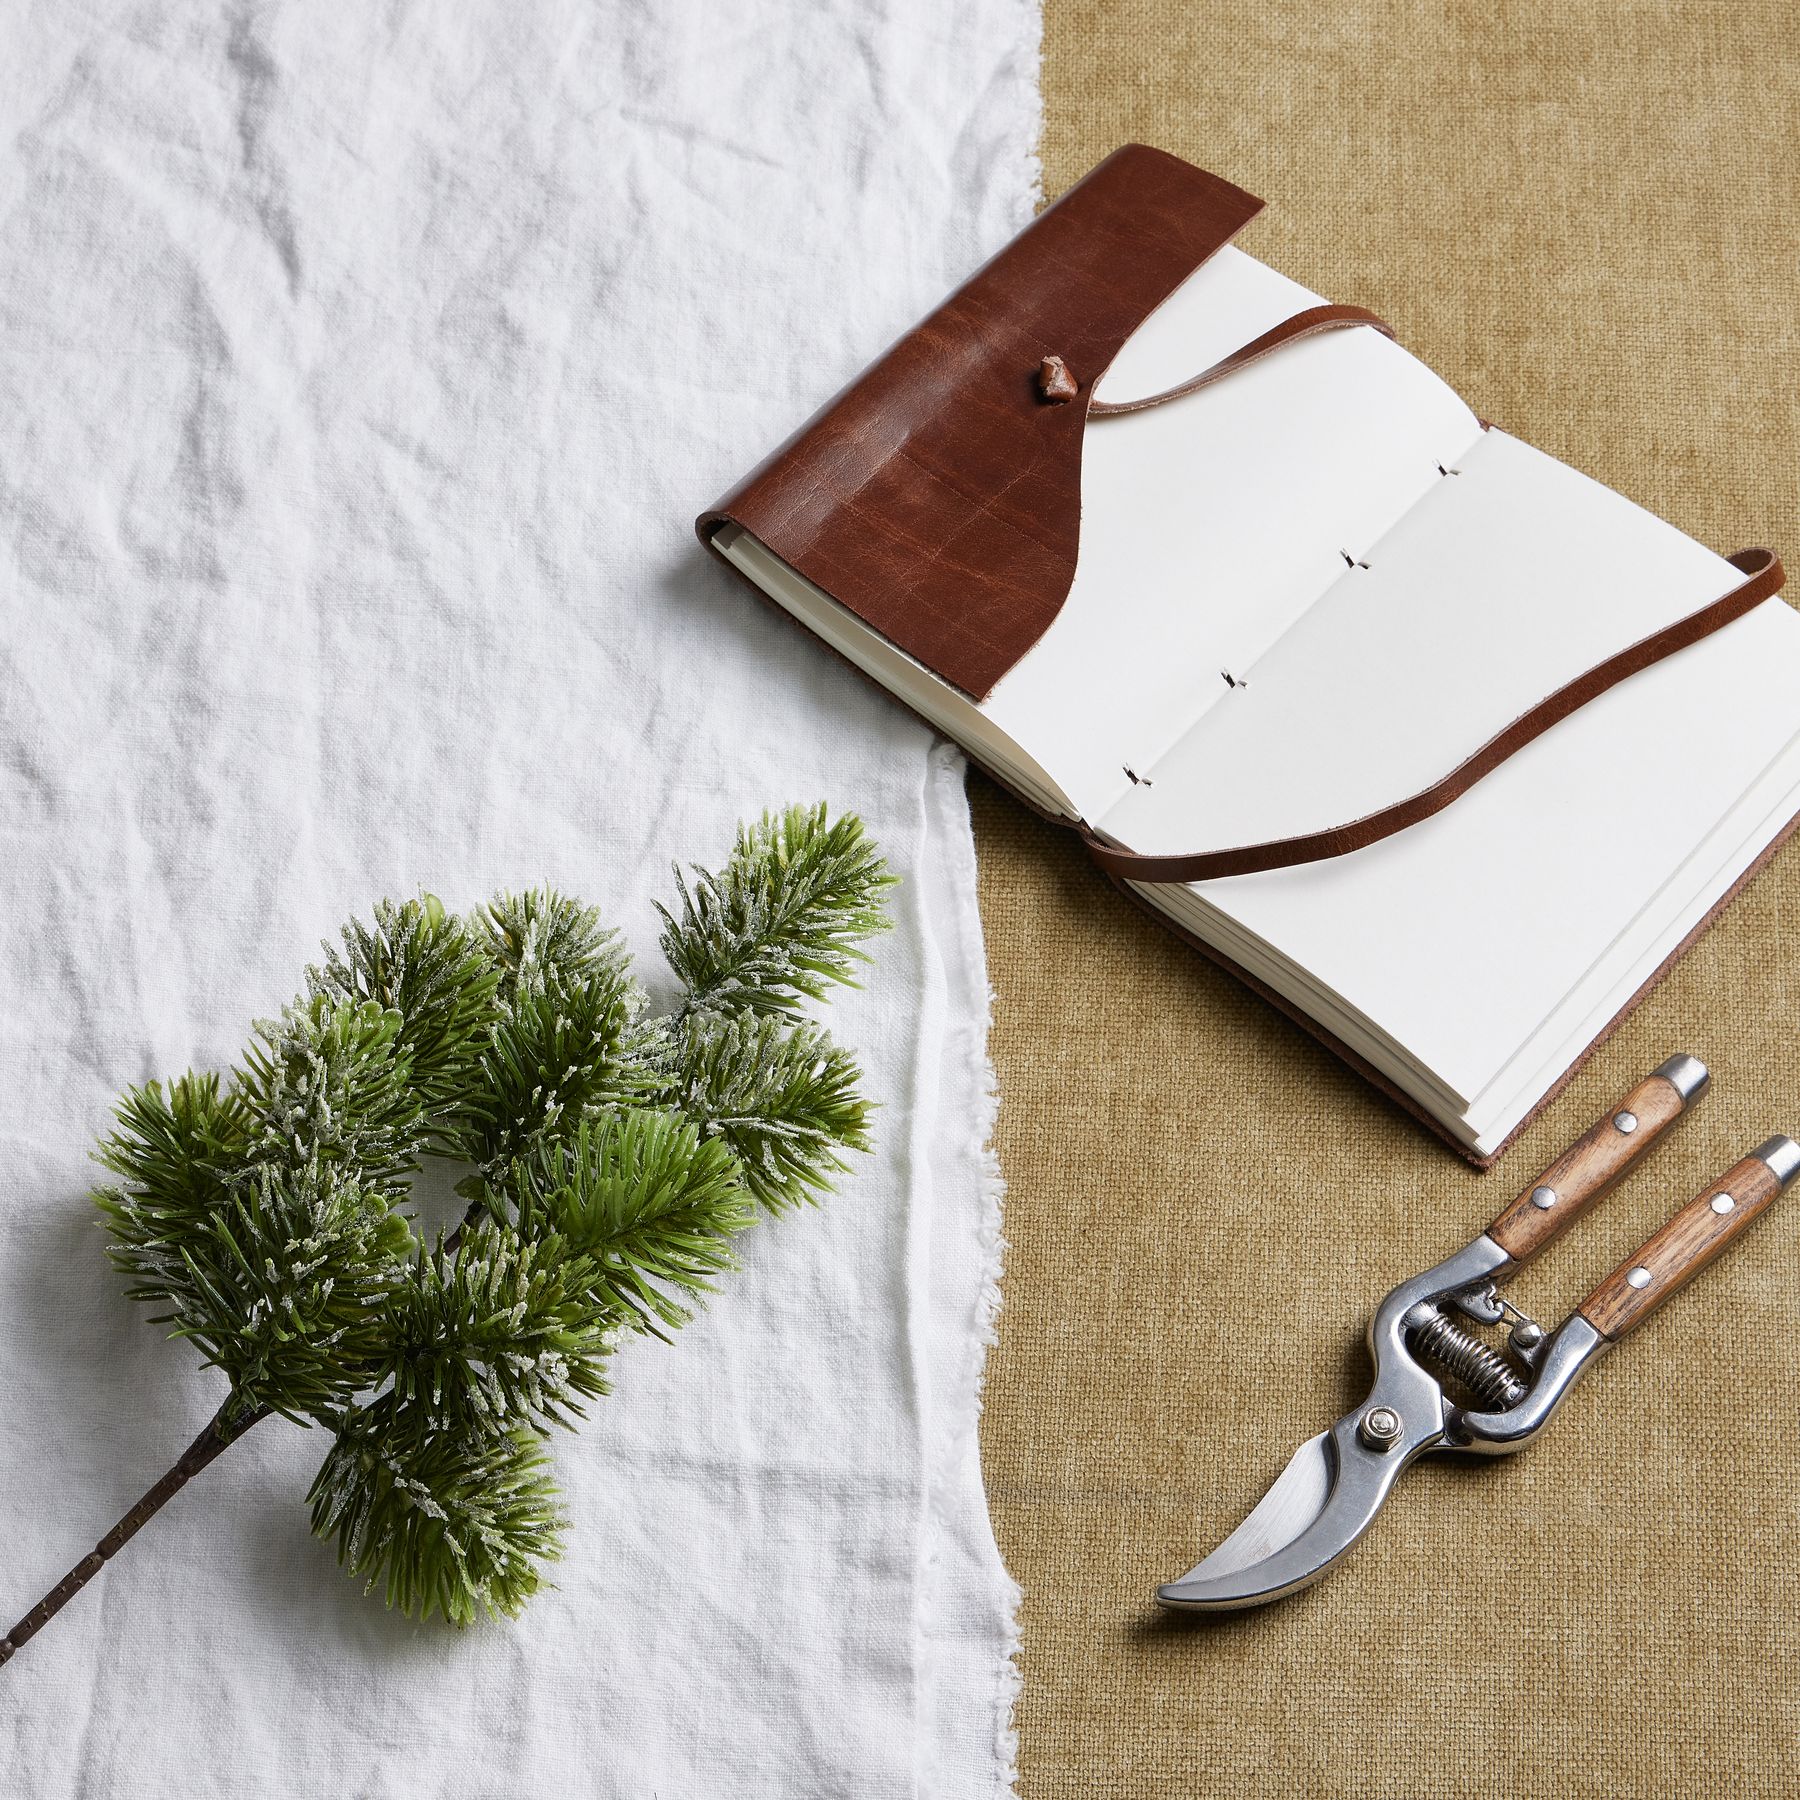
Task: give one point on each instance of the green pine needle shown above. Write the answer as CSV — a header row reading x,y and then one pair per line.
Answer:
x,y
782,920
175,1149
330,1088
448,1523
542,939
437,974
646,1201
281,1283
566,1048
498,1330
782,1097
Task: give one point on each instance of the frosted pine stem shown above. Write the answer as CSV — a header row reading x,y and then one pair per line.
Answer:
x,y
209,1444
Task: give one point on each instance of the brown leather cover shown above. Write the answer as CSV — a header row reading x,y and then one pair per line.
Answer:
x,y
938,497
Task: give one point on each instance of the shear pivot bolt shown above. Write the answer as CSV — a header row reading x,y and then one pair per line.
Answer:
x,y
1626,1122
1380,1428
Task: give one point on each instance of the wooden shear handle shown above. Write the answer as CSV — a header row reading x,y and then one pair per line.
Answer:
x,y
1690,1240
1571,1184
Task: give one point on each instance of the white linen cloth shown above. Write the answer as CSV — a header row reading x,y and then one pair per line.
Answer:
x,y
361,370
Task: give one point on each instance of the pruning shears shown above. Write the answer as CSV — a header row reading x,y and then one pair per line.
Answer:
x,y
1442,1386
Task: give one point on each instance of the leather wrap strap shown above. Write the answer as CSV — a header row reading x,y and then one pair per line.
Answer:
x,y
1763,576
1307,323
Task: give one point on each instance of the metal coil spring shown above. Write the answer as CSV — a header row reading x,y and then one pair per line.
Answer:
x,y
1458,1353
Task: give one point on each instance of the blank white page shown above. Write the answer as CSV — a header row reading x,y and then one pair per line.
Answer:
x,y
1504,582
1209,524
1460,936
1700,885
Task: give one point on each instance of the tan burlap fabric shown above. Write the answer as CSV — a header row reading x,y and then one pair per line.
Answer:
x,y
1584,216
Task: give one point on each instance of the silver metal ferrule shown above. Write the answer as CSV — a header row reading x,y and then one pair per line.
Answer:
x,y
1687,1075
1782,1155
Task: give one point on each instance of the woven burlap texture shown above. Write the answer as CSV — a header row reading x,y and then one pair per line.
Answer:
x,y
1584,216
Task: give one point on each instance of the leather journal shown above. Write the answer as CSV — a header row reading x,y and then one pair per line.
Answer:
x,y
1441,746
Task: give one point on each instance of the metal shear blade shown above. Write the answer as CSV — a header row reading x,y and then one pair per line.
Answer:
x,y
1334,1484
1317,1510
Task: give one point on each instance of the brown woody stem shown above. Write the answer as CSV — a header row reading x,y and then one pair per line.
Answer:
x,y
222,1431
218,1435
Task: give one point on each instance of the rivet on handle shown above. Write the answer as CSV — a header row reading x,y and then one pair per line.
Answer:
x,y
1698,1233
1619,1138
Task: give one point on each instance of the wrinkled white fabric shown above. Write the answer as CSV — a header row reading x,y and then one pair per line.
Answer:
x,y
361,370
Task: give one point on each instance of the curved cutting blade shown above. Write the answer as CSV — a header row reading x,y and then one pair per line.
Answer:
x,y
1320,1504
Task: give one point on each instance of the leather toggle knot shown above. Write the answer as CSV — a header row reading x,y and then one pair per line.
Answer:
x,y
1055,383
